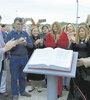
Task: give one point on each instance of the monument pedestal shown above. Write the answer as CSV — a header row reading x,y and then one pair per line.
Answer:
x,y
52,77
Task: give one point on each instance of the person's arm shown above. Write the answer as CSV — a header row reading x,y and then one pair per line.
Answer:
x,y
7,47
86,62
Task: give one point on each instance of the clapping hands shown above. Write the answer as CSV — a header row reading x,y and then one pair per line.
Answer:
x,y
57,37
72,39
39,41
87,38
22,41
10,44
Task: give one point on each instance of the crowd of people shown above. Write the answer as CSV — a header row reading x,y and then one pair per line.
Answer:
x,y
17,44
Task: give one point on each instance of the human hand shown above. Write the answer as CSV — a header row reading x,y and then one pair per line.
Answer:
x,y
80,62
41,40
87,38
72,39
57,37
10,44
37,41
22,41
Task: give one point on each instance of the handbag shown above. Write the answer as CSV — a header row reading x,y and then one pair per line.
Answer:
x,y
85,73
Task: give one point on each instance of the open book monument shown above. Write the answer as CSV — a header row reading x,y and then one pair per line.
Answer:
x,y
57,59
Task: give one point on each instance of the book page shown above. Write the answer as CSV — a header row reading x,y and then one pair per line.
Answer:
x,y
62,58
41,56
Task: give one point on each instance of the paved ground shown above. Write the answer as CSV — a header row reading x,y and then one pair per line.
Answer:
x,y
35,94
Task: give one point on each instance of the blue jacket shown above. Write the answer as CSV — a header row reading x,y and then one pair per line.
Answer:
x,y
20,50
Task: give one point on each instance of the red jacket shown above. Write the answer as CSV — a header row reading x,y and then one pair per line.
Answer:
x,y
63,41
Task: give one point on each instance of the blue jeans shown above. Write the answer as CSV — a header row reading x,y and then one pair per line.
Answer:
x,y
17,65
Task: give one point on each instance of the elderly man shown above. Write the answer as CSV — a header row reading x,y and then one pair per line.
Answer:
x,y
19,58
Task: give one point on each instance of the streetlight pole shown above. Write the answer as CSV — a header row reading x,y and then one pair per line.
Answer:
x,y
77,16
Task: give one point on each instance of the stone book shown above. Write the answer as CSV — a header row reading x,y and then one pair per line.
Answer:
x,y
57,59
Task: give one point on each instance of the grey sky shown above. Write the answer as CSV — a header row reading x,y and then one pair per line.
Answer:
x,y
52,10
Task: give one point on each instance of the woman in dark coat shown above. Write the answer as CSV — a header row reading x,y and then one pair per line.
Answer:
x,y
79,87
38,43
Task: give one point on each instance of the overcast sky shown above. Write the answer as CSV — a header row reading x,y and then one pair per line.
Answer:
x,y
51,10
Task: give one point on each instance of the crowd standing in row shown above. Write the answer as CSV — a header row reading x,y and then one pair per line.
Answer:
x,y
20,44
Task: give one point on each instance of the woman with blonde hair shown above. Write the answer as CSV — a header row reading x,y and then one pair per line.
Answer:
x,y
79,85
57,39
79,37
69,28
71,32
